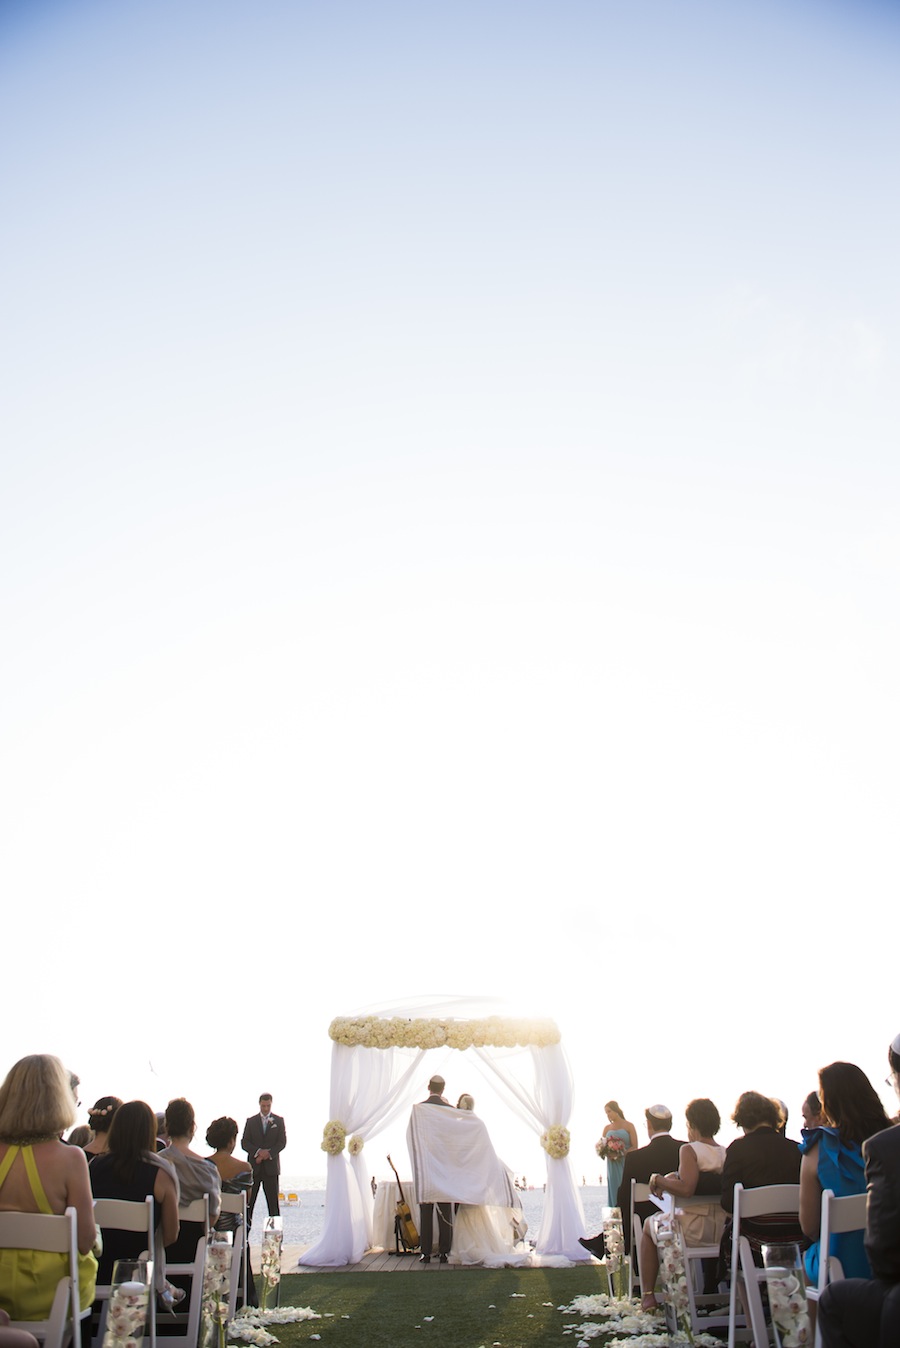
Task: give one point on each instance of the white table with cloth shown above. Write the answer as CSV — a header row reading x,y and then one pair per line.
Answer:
x,y
387,1196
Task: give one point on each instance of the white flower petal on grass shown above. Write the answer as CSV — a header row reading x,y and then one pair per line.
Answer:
x,y
428,1318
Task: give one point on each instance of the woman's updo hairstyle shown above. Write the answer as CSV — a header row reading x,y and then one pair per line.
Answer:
x,y
220,1132
101,1115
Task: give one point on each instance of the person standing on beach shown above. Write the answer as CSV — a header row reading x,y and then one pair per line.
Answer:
x,y
263,1140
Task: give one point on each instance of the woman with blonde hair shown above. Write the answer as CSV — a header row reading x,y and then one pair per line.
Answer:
x,y
39,1173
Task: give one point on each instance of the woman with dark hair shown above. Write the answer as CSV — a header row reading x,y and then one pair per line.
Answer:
x,y
865,1312
221,1135
833,1159
700,1163
101,1116
618,1137
236,1177
39,1173
129,1170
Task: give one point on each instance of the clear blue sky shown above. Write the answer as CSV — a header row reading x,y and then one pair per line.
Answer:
x,y
448,535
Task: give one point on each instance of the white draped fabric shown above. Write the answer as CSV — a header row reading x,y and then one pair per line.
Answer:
x,y
370,1087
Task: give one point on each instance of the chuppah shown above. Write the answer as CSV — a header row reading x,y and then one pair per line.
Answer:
x,y
377,1074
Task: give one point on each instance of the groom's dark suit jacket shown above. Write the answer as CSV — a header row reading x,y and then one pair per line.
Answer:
x,y
273,1140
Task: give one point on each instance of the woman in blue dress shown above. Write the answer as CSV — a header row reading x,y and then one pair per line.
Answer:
x,y
833,1159
618,1137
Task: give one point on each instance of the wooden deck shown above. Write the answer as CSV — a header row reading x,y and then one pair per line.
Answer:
x,y
379,1261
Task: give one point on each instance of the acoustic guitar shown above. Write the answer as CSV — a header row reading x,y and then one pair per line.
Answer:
x,y
408,1230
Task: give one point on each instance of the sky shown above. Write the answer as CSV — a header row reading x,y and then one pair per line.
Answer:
x,y
448,540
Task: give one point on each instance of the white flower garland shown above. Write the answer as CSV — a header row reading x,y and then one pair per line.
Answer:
x,y
424,1032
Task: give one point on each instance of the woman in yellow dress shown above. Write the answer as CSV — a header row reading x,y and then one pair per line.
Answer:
x,y
40,1173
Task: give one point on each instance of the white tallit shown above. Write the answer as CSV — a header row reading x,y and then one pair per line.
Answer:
x,y
453,1160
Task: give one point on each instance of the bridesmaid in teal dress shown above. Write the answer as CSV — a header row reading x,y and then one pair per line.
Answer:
x,y
618,1127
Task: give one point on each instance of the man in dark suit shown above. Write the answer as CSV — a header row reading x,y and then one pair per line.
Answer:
x,y
263,1140
426,1210
659,1157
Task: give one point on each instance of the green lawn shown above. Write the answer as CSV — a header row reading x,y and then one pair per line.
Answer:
x,y
459,1309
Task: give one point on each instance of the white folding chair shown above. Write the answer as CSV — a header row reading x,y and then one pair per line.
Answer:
x,y
118,1214
237,1204
839,1215
708,1310
55,1235
767,1201
189,1320
640,1193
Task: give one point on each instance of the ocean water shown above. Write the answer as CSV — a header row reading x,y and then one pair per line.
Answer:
x,y
303,1221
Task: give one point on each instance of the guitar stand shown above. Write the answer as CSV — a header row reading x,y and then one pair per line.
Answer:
x,y
399,1241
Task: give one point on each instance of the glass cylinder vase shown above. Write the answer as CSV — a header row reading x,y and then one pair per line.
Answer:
x,y
129,1296
786,1286
270,1262
614,1258
216,1288
674,1278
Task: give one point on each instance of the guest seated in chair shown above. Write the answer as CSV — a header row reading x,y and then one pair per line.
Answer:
x,y
759,1158
700,1163
865,1312
39,1173
236,1176
221,1135
129,1170
101,1116
196,1176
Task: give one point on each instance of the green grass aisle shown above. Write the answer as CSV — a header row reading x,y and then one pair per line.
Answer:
x,y
477,1308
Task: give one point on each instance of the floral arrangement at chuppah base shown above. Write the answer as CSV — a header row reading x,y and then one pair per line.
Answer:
x,y
270,1259
334,1136
615,1260
555,1141
251,1324
216,1286
129,1297
787,1295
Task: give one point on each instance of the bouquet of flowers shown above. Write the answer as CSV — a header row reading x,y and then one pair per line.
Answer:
x,y
611,1148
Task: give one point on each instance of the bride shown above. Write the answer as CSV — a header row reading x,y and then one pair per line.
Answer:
x,y
487,1234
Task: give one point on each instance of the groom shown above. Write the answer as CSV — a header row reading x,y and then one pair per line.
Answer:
x,y
263,1141
426,1210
